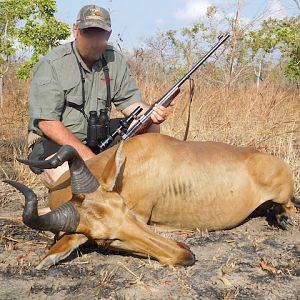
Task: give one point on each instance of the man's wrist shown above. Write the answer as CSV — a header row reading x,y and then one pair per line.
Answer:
x,y
84,151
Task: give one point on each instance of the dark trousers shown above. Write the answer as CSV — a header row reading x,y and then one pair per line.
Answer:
x,y
44,147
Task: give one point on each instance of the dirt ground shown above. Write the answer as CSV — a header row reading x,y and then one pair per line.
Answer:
x,y
253,261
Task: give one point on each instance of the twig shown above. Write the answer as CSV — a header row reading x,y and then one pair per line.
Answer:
x,y
9,238
131,272
21,241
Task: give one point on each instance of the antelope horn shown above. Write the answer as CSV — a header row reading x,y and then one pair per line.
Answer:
x,y
82,180
64,218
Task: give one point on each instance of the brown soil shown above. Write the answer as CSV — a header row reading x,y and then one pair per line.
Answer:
x,y
253,261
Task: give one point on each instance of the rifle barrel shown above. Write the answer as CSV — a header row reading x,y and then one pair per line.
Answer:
x,y
175,87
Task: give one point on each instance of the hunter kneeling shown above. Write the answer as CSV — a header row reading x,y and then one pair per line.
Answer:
x,y
75,79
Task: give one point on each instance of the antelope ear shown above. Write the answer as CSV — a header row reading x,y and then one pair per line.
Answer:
x,y
112,170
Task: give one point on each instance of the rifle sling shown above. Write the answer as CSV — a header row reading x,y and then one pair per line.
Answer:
x,y
191,94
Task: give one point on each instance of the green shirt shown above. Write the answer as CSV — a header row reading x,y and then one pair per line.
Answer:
x,y
56,79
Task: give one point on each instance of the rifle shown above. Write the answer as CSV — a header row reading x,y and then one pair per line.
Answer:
x,y
121,130
165,100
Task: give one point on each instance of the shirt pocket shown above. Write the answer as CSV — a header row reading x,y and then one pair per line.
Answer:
x,y
102,91
43,80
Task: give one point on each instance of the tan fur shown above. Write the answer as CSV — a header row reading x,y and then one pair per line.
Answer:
x,y
174,184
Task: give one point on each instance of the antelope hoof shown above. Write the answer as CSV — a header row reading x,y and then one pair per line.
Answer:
x,y
285,221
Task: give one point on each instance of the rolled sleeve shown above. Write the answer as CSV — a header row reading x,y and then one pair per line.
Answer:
x,y
46,98
127,89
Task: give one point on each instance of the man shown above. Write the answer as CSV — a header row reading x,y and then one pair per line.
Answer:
x,y
74,79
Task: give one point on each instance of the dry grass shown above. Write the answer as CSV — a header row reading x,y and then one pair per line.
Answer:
x,y
269,121
13,131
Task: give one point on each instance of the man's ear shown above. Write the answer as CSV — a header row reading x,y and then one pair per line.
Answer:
x,y
108,36
75,31
112,170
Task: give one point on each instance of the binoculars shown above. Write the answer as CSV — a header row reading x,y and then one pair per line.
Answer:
x,y
99,136
98,127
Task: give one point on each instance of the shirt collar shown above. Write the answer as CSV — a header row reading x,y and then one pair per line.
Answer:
x,y
82,63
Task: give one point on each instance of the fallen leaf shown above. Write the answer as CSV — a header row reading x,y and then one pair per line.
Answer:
x,y
265,265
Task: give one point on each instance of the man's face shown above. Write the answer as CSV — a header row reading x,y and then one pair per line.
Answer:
x,y
91,42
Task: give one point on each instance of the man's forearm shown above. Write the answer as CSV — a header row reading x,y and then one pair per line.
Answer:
x,y
58,133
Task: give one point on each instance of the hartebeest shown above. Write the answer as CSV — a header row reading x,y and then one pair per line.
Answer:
x,y
155,179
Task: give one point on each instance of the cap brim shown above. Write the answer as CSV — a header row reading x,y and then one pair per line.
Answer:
x,y
84,25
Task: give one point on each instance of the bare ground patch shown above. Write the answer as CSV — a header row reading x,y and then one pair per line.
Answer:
x,y
253,261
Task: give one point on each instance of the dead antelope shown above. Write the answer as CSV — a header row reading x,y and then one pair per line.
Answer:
x,y
154,179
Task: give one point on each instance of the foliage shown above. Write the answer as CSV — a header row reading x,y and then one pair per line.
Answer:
x,y
282,35
271,42
29,25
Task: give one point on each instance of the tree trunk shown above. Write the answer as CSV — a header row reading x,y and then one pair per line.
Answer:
x,y
1,91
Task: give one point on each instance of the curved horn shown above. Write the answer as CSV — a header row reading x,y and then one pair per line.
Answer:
x,y
64,218
82,180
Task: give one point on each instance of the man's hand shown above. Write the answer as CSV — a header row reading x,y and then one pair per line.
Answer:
x,y
161,113
158,116
58,133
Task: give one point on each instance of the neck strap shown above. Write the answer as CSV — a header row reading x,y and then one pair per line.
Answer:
x,y
74,105
107,81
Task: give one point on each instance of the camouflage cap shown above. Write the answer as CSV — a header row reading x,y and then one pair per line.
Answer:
x,y
93,16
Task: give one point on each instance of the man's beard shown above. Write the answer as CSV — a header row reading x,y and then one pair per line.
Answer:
x,y
96,55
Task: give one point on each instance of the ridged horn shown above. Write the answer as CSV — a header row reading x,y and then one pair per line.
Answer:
x,y
64,218
82,180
